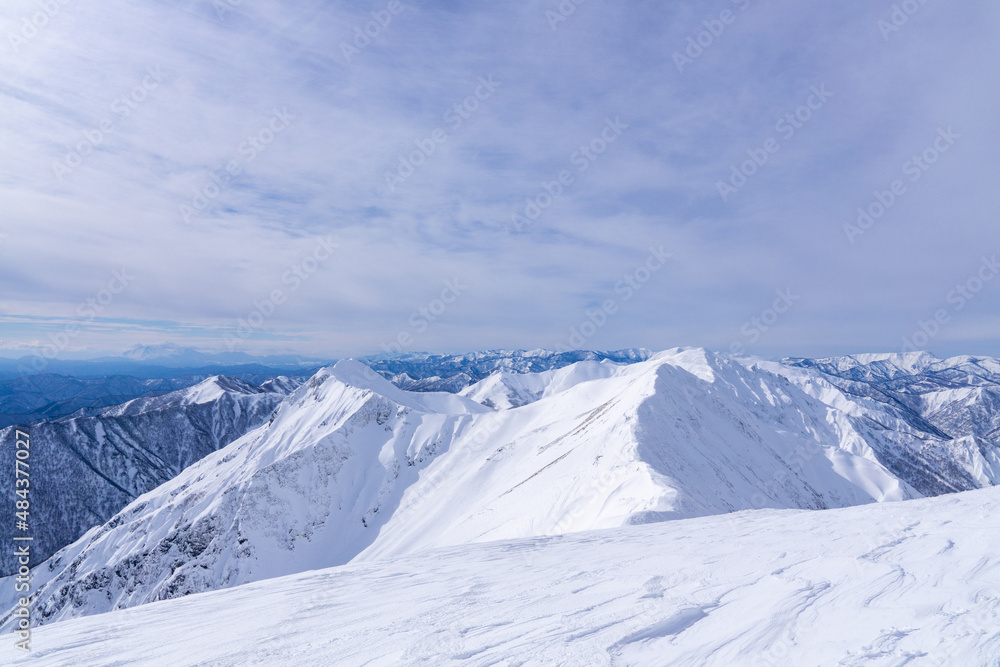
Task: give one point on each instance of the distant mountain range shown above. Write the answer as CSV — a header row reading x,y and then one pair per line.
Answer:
x,y
32,398
154,370
33,388
349,467
454,372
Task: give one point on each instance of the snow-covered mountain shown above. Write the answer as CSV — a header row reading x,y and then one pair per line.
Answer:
x,y
910,583
28,398
86,468
958,397
594,445
945,412
353,468
308,488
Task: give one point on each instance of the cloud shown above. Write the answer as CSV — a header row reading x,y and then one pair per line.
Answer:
x,y
162,116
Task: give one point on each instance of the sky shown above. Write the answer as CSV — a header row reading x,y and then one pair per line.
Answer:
x,y
349,178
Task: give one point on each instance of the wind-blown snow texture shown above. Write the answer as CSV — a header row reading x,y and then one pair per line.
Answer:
x,y
84,469
915,583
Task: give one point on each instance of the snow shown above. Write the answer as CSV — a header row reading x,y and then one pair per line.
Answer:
x,y
886,364
308,489
352,467
504,390
420,371
355,472
914,583
940,418
356,374
205,391
93,465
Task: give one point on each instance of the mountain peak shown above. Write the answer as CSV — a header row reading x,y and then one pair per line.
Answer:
x,y
695,360
356,374
212,388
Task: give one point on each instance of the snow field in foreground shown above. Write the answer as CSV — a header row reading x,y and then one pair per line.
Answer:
x,y
914,583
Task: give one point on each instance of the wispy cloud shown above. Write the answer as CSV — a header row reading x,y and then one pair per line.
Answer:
x,y
80,90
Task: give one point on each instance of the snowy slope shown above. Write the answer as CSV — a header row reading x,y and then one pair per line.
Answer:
x,y
354,467
87,468
915,583
685,434
307,489
946,413
503,390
